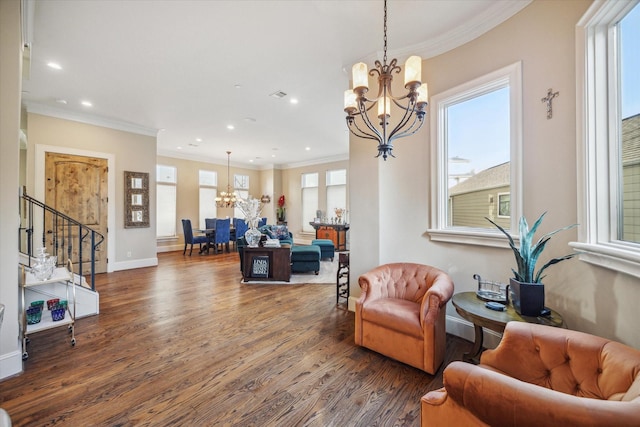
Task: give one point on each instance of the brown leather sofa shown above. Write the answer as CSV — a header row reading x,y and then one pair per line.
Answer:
x,y
541,376
401,313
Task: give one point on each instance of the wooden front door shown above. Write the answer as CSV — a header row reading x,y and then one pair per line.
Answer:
x,y
77,187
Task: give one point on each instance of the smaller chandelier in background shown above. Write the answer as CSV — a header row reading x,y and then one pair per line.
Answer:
x,y
227,199
412,104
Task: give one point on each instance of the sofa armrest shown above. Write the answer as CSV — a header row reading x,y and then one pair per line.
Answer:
x,y
434,300
370,286
497,399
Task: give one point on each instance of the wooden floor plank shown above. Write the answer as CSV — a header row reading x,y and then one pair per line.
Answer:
x,y
185,343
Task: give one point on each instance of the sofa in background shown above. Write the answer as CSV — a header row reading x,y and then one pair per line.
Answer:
x,y
267,231
540,376
401,313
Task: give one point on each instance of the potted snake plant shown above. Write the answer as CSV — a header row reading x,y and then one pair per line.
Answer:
x,y
526,287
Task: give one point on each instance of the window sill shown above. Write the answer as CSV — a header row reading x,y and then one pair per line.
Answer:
x,y
471,236
614,258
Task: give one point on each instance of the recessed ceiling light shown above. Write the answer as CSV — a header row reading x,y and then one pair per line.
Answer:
x,y
278,94
273,155
179,148
61,101
307,148
198,139
54,65
87,103
293,101
237,86
231,127
249,119
250,160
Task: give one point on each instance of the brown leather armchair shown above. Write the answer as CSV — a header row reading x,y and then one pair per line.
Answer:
x,y
401,313
541,376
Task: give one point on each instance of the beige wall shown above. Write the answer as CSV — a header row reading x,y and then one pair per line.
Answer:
x,y
128,151
10,87
592,299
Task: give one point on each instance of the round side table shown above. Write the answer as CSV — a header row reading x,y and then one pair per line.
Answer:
x,y
473,309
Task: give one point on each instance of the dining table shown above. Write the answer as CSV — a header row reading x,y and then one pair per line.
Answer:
x,y
211,236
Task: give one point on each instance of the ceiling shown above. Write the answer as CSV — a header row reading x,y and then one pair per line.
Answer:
x,y
185,70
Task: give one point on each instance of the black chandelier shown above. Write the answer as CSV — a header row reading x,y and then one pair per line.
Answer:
x,y
412,104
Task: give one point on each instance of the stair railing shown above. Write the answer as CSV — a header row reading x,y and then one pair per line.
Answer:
x,y
60,234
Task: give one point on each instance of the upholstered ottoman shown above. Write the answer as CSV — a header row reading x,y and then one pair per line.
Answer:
x,y
327,250
305,258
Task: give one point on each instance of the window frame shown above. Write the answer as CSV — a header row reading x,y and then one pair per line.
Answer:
x,y
174,185
598,123
306,227
201,187
331,187
510,76
498,205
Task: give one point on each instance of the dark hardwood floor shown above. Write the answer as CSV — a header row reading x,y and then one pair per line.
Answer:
x,y
185,343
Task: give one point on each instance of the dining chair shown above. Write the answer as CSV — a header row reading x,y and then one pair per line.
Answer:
x,y
223,227
240,228
263,221
189,238
210,223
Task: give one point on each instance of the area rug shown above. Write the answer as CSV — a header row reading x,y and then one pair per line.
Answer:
x,y
327,275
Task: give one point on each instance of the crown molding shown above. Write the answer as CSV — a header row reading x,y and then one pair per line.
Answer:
x,y
491,17
268,166
47,110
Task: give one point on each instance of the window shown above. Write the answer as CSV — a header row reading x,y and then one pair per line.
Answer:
x,y
504,205
241,188
336,190
166,181
208,181
309,200
608,47
477,130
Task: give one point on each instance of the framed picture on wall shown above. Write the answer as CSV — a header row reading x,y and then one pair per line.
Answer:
x,y
136,199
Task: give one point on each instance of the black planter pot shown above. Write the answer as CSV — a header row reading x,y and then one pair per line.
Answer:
x,y
527,298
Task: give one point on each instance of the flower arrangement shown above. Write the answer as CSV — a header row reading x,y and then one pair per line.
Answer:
x,y
251,208
281,210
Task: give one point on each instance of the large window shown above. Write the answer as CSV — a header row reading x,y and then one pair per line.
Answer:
x,y
241,187
208,183
166,181
336,190
608,47
477,129
309,200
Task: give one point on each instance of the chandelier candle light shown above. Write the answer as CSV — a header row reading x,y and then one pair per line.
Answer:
x,y
227,199
413,104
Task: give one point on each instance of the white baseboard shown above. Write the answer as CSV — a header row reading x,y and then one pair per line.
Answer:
x,y
171,248
464,329
137,263
10,364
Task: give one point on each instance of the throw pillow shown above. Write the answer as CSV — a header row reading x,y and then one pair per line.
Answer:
x,y
280,231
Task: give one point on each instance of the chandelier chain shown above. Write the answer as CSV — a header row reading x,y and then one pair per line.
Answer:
x,y
384,59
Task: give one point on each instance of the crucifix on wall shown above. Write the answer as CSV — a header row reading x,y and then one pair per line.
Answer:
x,y
548,99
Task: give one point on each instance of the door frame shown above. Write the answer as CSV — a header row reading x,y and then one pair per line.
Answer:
x,y
39,188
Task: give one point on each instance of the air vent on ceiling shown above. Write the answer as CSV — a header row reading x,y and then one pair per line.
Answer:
x,y
278,94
